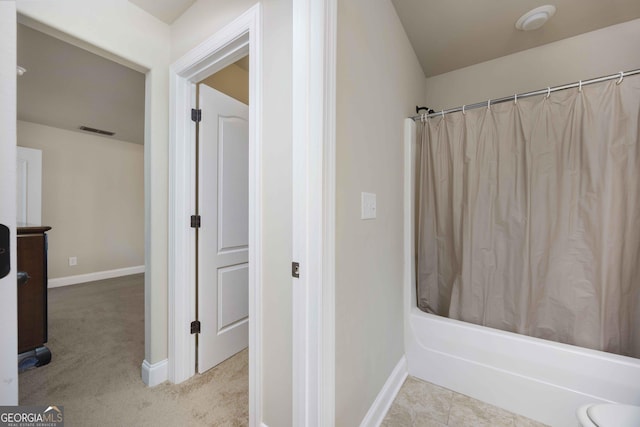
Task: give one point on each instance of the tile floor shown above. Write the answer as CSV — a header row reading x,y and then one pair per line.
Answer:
x,y
422,404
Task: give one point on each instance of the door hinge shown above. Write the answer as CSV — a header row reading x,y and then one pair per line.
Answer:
x,y
295,269
196,115
195,327
195,221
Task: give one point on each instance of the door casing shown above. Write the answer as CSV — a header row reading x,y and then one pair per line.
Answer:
x,y
8,288
314,145
241,37
314,222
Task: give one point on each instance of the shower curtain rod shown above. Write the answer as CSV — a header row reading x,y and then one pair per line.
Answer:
x,y
620,76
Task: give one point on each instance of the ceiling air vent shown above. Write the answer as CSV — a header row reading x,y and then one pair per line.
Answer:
x,y
98,131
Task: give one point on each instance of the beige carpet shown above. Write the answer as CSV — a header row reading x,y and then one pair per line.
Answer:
x,y
96,337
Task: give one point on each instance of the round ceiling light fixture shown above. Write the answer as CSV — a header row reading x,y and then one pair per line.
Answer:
x,y
535,18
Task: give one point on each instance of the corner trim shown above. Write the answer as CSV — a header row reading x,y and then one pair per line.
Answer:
x,y
387,394
92,277
154,374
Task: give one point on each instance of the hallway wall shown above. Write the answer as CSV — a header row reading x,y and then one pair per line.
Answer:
x,y
379,83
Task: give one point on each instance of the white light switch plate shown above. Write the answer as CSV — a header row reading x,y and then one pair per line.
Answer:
x,y
368,206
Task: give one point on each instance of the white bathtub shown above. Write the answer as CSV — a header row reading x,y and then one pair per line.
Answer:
x,y
540,379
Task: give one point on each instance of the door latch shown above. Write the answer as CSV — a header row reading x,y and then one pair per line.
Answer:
x,y
195,327
295,269
5,259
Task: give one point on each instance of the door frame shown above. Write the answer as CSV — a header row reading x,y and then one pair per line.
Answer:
x,y
8,289
314,224
240,37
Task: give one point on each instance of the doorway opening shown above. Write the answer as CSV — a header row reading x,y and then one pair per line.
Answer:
x,y
239,39
84,114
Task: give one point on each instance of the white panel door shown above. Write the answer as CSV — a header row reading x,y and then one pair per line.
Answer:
x,y
223,251
29,186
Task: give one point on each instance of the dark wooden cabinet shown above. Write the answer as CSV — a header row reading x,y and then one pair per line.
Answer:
x,y
32,295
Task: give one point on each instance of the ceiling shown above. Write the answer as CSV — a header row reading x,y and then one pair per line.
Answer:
x,y
447,35
165,10
68,87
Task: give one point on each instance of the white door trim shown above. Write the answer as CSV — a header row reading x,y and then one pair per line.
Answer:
x,y
242,36
8,289
314,90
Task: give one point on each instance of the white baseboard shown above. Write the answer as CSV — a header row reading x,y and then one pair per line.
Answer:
x,y
92,277
154,374
385,398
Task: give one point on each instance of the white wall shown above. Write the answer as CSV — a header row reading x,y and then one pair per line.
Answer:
x,y
128,32
92,196
594,54
202,20
379,84
8,287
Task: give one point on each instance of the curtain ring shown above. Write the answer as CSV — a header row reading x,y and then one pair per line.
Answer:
x,y
548,92
422,117
464,113
621,78
515,98
489,104
442,114
580,86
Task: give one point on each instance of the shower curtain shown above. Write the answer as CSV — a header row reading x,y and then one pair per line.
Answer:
x,y
528,216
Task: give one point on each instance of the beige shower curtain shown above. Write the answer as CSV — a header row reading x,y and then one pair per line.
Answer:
x,y
529,216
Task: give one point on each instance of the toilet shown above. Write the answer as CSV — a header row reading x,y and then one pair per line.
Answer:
x,y
609,415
